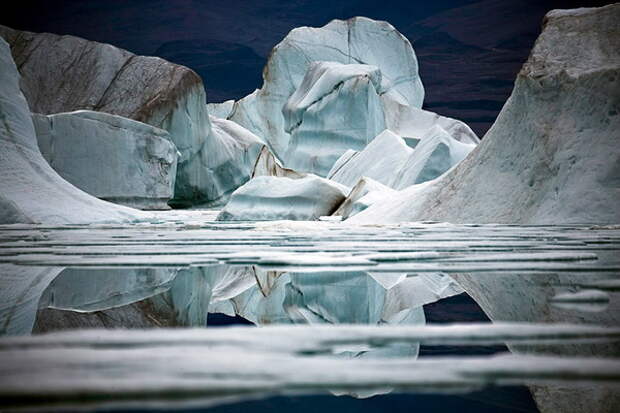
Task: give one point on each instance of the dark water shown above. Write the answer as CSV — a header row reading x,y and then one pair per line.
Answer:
x,y
437,305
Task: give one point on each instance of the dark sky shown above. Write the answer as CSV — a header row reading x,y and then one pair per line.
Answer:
x,y
469,50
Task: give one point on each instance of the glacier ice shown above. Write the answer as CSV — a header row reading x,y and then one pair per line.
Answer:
x,y
221,110
66,73
358,41
21,288
363,194
413,123
381,160
111,157
231,154
552,155
268,165
30,190
336,107
271,198
434,155
389,160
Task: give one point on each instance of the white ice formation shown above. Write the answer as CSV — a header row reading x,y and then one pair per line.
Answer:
x,y
364,193
389,160
221,110
336,107
111,157
66,73
30,190
313,74
231,154
552,155
271,198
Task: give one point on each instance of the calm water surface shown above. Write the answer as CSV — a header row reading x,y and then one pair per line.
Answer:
x,y
427,316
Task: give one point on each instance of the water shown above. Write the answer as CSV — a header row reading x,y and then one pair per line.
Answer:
x,y
387,317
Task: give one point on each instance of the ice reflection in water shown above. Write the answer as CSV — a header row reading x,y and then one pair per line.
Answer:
x,y
174,273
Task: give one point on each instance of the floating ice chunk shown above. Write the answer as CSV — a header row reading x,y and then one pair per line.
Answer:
x,y
111,157
365,192
230,156
272,198
420,289
391,161
322,79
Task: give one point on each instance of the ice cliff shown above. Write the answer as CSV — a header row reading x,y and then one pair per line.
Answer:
x,y
553,154
111,157
30,190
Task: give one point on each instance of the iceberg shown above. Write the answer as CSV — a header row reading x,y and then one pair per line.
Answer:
x,y
272,198
552,155
358,41
21,288
111,157
89,290
30,190
67,73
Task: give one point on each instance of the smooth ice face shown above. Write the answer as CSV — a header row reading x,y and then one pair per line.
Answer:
x,y
230,156
434,155
66,73
272,198
358,41
30,190
549,152
412,122
380,160
336,108
111,157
